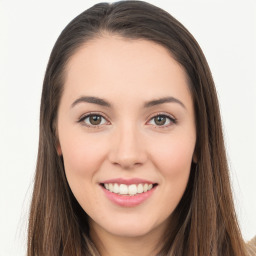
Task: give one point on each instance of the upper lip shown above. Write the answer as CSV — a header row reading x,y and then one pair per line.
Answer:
x,y
128,181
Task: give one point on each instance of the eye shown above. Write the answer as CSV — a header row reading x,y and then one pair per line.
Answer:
x,y
93,120
162,120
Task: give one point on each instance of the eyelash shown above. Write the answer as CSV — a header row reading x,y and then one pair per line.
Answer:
x,y
84,117
171,119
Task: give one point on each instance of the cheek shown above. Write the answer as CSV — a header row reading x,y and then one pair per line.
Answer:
x,y
82,155
173,156
174,164
173,160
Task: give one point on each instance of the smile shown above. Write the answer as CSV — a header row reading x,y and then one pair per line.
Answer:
x,y
128,190
128,193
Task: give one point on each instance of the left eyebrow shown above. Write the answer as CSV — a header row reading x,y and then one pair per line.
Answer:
x,y
162,101
93,100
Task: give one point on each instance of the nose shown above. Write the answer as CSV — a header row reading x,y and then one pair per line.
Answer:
x,y
127,148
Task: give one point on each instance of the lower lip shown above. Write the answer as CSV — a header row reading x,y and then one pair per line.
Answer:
x,y
126,200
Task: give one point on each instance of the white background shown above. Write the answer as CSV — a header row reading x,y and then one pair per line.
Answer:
x,y
226,31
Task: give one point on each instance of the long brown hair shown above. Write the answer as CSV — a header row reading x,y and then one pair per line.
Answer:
x,y
204,223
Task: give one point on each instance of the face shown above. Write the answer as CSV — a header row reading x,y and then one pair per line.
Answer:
x,y
127,134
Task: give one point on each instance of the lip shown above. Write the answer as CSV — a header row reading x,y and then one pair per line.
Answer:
x,y
126,200
128,181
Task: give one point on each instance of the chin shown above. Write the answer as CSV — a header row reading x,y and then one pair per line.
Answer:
x,y
131,231
129,227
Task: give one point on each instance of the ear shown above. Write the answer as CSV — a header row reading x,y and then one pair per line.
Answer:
x,y
59,151
57,141
58,148
194,158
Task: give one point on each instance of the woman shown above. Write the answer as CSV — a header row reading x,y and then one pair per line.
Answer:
x,y
131,156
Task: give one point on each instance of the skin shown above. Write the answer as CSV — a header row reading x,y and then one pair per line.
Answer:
x,y
128,143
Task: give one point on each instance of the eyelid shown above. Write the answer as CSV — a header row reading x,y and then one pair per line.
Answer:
x,y
86,115
171,117
173,120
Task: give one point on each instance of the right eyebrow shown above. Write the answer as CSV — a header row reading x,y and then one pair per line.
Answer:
x,y
91,99
162,101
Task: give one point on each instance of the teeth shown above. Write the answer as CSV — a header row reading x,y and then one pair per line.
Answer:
x,y
131,190
116,189
123,189
111,187
140,188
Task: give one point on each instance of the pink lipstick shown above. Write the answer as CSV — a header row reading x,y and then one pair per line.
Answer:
x,y
128,192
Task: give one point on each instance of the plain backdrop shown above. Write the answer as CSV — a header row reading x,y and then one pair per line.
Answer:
x,y
226,31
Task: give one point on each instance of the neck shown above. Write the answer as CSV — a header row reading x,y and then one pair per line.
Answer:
x,y
112,245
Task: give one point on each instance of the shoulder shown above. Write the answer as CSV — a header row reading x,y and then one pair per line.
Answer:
x,y
251,247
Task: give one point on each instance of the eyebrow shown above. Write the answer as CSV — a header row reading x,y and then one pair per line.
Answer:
x,y
162,101
90,99
104,103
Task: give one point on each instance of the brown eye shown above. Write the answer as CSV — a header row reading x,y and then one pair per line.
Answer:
x,y
95,119
160,120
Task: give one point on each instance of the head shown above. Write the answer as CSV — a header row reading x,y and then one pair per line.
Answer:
x,y
199,210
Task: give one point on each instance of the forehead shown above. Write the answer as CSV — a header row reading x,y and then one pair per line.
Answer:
x,y
114,65
112,49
